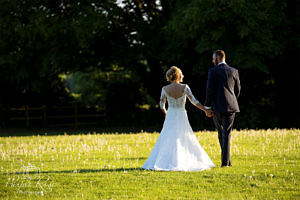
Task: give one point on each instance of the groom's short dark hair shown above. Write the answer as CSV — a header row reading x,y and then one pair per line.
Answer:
x,y
220,53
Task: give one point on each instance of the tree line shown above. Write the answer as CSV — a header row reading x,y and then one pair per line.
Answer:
x,y
113,56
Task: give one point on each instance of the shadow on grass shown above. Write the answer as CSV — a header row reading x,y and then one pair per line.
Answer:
x,y
75,171
79,171
134,158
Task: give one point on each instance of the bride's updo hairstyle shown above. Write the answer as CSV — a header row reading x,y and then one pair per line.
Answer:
x,y
173,74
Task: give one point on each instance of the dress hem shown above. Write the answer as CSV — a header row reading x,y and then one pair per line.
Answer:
x,y
188,170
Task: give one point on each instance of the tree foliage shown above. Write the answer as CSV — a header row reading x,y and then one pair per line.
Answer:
x,y
114,55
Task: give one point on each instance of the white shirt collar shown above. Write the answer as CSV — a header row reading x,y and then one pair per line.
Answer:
x,y
221,63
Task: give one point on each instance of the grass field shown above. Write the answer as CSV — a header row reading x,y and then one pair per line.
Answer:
x,y
266,165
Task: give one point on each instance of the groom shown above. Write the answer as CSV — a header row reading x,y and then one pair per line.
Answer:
x,y
222,90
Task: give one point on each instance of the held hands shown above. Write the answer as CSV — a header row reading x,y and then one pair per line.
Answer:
x,y
209,112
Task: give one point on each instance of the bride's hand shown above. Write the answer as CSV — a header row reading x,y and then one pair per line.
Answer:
x,y
209,113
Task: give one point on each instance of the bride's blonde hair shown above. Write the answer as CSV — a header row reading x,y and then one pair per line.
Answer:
x,y
173,74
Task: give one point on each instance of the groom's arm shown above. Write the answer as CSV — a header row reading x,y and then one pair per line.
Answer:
x,y
209,89
237,85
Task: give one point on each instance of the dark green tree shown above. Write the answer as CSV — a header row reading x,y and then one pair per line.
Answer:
x,y
113,56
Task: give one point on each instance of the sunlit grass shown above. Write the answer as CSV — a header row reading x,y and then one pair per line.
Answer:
x,y
107,166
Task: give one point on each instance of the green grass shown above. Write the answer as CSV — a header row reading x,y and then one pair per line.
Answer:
x,y
108,166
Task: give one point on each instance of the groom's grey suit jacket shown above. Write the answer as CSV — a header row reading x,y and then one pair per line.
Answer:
x,y
223,89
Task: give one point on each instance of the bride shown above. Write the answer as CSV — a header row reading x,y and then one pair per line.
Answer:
x,y
177,148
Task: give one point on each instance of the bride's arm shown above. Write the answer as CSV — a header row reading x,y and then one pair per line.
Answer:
x,y
162,102
194,101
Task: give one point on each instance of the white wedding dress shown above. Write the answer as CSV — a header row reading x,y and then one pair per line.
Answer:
x,y
177,148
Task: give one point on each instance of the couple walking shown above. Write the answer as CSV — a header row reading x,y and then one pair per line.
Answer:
x,y
177,148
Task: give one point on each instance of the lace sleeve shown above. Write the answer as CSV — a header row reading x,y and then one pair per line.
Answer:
x,y
163,99
190,95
